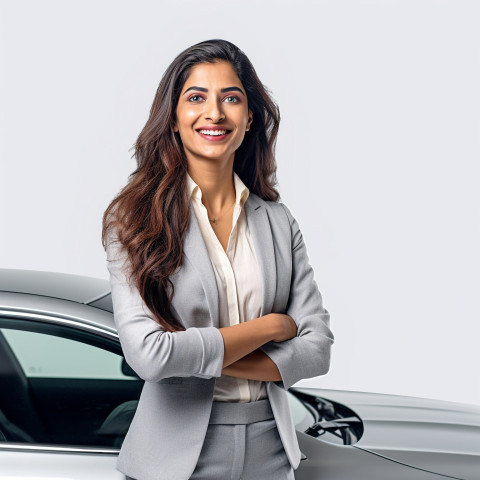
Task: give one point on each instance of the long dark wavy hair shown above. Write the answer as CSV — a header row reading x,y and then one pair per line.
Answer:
x,y
150,215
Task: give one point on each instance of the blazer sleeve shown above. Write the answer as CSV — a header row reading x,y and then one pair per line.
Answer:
x,y
153,353
308,354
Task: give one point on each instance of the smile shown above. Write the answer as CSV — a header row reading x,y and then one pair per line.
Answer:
x,y
213,135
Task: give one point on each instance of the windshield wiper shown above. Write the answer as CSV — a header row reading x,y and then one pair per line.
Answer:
x,y
319,428
341,428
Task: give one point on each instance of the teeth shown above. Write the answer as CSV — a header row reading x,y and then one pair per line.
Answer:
x,y
213,132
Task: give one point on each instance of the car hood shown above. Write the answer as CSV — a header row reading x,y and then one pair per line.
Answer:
x,y
434,435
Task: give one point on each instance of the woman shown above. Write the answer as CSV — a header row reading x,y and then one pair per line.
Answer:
x,y
214,300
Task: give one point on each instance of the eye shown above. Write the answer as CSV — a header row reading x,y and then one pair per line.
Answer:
x,y
235,99
194,96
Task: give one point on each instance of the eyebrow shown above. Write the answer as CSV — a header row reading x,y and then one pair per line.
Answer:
x,y
201,89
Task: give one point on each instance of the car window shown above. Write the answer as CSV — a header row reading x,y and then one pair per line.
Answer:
x,y
42,355
63,386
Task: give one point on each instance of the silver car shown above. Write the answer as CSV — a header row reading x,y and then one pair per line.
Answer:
x,y
67,398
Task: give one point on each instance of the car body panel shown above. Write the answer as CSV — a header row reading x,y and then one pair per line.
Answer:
x,y
57,465
38,307
66,286
434,435
326,461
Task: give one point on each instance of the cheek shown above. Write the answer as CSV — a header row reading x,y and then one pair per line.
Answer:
x,y
186,116
191,115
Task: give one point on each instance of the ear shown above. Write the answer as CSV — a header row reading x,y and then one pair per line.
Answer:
x,y
250,120
175,128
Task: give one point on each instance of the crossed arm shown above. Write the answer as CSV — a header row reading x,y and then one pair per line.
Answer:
x,y
306,354
246,350
257,365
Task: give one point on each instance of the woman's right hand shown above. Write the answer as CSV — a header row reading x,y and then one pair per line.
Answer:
x,y
285,327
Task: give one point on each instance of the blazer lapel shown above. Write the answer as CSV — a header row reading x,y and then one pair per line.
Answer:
x,y
259,225
195,249
261,233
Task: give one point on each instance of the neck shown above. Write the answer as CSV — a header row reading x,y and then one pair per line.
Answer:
x,y
217,186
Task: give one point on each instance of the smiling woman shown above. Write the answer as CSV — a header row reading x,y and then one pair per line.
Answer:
x,y
214,299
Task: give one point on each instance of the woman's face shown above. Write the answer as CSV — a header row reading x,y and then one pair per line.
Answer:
x,y
212,100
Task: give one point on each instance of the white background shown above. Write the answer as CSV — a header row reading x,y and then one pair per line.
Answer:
x,y
378,157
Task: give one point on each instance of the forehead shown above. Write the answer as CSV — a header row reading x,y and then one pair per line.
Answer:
x,y
219,73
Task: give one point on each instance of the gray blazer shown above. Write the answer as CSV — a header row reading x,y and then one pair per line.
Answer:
x,y
167,433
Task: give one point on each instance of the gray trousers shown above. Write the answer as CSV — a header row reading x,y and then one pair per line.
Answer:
x,y
242,443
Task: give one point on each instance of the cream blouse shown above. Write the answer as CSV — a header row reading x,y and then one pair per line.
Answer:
x,y
239,283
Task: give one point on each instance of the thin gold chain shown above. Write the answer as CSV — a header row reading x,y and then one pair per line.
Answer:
x,y
215,220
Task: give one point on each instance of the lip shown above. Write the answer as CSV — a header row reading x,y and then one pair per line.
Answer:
x,y
213,138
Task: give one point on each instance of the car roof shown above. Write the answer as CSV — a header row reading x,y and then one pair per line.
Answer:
x,y
75,288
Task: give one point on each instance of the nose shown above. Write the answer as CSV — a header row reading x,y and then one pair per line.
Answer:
x,y
213,110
